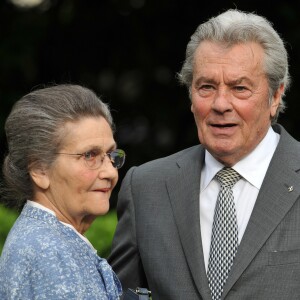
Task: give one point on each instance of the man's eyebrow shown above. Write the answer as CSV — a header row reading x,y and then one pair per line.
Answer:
x,y
205,79
240,80
213,81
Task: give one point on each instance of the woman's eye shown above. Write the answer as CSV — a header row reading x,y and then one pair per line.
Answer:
x,y
90,155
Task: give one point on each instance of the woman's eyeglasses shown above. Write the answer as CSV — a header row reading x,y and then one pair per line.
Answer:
x,y
94,158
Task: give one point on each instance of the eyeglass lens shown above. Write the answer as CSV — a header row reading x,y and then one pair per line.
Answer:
x,y
117,158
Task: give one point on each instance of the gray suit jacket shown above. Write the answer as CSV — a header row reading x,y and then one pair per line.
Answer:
x,y
158,241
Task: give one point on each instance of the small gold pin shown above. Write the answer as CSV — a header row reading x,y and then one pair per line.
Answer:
x,y
290,188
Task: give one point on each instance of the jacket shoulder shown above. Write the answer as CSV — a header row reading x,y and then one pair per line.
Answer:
x,y
172,158
163,166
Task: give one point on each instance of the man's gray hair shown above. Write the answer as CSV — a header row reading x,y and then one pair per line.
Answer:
x,y
35,132
234,27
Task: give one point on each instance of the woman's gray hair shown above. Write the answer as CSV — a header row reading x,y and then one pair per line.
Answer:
x,y
35,129
233,27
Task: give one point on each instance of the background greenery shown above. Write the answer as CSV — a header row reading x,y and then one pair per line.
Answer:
x,y
129,52
7,218
100,234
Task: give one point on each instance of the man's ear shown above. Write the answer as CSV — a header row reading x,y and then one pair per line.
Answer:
x,y
40,177
192,108
276,100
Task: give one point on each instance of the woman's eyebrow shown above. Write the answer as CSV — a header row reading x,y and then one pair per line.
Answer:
x,y
100,148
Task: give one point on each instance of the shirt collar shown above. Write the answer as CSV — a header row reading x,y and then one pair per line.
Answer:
x,y
40,206
253,167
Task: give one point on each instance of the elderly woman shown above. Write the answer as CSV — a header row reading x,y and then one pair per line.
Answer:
x,y
62,166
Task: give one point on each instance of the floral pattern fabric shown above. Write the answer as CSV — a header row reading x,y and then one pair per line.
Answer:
x,y
44,259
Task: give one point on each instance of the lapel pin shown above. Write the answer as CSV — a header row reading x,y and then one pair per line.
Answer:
x,y
290,188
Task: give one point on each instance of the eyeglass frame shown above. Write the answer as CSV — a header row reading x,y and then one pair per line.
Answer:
x,y
101,155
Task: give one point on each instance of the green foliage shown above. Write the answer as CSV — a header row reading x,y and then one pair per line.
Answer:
x,y
7,219
100,234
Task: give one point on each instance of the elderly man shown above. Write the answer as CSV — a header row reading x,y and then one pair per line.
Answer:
x,y
220,220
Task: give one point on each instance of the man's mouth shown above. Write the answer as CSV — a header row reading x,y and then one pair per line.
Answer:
x,y
223,125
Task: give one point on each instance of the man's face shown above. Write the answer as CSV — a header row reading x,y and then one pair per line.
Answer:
x,y
230,99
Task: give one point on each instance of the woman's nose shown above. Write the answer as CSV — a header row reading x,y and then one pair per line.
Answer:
x,y
107,169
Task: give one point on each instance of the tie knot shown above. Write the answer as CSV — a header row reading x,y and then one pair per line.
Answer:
x,y
228,177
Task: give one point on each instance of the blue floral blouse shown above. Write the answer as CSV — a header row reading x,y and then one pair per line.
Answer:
x,y
44,259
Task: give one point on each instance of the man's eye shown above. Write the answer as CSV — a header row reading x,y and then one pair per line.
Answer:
x,y
90,155
240,88
206,87
242,92
206,90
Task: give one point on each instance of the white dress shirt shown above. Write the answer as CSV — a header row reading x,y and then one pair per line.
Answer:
x,y
253,169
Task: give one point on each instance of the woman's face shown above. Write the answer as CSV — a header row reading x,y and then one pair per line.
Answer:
x,y
75,192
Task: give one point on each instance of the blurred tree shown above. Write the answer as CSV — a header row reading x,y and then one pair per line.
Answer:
x,y
129,52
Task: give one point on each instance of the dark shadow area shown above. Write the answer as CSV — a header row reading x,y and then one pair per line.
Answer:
x,y
129,52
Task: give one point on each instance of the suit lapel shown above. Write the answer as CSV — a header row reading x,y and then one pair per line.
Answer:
x,y
275,199
184,186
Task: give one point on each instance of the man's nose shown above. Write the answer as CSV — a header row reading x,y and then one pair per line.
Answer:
x,y
222,101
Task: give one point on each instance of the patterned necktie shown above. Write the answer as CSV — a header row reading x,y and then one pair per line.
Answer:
x,y
224,241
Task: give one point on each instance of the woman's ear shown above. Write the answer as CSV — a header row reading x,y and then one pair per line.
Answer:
x,y
40,177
